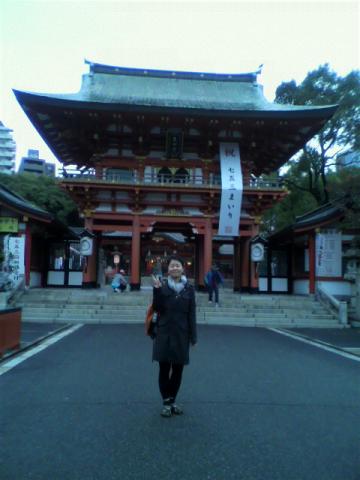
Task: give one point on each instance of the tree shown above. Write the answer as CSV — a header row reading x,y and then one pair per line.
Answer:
x,y
324,87
44,192
346,183
285,213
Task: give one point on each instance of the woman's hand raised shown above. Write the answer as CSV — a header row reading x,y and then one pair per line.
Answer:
x,y
156,281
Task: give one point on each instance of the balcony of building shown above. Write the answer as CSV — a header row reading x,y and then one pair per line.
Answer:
x,y
163,178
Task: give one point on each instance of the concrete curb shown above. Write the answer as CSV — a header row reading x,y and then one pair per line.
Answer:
x,y
30,345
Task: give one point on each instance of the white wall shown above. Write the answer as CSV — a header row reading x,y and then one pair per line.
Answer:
x,y
35,279
335,288
75,279
263,284
55,278
301,287
279,284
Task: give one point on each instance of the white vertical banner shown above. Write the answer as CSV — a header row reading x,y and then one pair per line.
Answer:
x,y
16,257
231,190
328,254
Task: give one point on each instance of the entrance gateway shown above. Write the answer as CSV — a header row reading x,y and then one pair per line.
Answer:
x,y
141,158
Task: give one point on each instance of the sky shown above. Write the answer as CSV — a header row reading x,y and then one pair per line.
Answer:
x,y
43,44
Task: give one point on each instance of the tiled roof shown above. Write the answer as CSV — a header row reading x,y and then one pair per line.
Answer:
x,y
332,211
173,89
11,199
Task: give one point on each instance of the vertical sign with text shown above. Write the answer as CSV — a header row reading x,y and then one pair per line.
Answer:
x,y
231,190
328,254
16,257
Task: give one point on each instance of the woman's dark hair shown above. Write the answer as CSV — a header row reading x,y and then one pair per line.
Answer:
x,y
176,259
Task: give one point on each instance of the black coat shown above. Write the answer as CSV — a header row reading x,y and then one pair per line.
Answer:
x,y
176,324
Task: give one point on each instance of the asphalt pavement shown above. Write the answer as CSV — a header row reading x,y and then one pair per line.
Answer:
x,y
343,338
258,405
347,339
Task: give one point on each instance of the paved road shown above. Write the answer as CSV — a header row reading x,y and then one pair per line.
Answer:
x,y
259,405
346,338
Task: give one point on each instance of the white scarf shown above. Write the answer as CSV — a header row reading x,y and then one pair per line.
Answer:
x,y
177,286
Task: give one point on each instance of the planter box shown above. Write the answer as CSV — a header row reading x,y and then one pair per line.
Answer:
x,y
10,329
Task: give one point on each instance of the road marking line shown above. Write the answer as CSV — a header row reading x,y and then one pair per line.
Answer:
x,y
6,366
317,344
353,350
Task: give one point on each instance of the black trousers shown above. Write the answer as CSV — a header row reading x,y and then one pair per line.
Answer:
x,y
170,375
211,290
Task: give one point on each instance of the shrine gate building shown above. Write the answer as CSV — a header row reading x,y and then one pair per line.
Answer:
x,y
140,155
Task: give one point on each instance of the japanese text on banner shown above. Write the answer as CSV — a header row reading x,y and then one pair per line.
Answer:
x,y
231,190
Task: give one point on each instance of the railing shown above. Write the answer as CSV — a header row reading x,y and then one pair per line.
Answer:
x,y
163,179
336,306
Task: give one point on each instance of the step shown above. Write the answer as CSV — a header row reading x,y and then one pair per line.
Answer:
x,y
103,306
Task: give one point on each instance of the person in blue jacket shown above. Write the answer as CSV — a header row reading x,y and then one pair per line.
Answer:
x,y
119,282
213,279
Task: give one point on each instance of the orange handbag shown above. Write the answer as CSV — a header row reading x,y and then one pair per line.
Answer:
x,y
149,324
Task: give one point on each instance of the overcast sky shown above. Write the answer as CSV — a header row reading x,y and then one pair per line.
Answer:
x,y
44,43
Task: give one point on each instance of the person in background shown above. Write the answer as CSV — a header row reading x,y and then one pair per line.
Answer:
x,y
213,279
174,302
119,282
157,270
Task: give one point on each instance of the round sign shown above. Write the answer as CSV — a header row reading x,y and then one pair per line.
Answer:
x,y
257,252
86,245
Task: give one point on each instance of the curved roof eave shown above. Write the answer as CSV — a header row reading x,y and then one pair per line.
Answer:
x,y
17,203
75,101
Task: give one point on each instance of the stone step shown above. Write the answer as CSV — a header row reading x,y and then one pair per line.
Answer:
x,y
42,311
135,303
145,301
275,310
103,306
140,311
266,323
224,294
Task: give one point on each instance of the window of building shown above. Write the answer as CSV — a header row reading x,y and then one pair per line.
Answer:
x,y
165,175
279,263
119,175
181,176
57,257
76,260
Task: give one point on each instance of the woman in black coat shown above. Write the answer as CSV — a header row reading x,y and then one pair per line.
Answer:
x,y
174,301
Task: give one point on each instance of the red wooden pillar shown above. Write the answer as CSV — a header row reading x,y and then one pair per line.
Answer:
x,y
207,246
135,255
312,262
245,265
254,276
199,269
237,265
28,239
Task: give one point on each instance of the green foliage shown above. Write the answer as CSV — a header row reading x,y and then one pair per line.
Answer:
x,y
324,87
346,182
44,192
284,213
309,176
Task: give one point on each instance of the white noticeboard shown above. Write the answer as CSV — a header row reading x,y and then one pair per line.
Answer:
x,y
328,254
231,189
16,257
